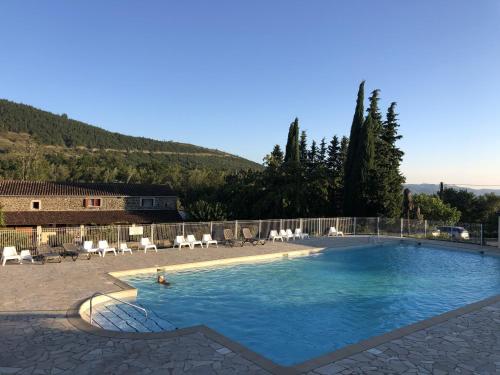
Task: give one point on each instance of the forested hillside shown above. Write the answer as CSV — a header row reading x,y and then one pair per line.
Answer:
x,y
58,130
38,145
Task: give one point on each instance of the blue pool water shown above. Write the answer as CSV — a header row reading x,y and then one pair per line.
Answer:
x,y
292,310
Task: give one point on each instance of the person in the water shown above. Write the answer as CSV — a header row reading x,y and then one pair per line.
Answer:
x,y
162,280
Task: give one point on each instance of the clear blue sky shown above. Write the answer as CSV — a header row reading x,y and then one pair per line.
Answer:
x,y
233,74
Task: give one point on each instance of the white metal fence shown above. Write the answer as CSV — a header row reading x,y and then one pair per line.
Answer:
x,y
28,238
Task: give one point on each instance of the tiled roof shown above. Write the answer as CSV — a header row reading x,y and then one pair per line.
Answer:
x,y
28,218
45,188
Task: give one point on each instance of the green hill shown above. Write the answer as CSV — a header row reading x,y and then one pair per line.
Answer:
x,y
58,130
39,145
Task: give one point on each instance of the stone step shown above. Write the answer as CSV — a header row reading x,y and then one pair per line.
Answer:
x,y
125,318
135,321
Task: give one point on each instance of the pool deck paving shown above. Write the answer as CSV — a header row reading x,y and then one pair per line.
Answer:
x,y
38,334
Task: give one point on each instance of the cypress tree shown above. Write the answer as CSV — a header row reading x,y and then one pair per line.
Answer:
x,y
352,171
292,146
292,181
344,146
303,146
289,143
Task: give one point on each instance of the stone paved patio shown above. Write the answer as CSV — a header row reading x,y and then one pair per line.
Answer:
x,y
37,338
468,344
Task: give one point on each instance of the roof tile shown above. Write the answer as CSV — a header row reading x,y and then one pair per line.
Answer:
x,y
46,188
90,217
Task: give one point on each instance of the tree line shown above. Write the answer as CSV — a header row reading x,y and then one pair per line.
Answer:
x,y
357,175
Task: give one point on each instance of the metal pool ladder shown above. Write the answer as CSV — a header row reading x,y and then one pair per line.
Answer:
x,y
141,309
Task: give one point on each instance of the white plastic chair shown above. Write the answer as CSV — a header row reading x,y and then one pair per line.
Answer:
x,y
193,241
124,248
88,246
104,248
285,235
181,241
332,232
148,245
290,234
273,235
26,255
207,240
10,253
299,234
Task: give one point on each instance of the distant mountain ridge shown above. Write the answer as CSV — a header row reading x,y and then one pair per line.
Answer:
x,y
60,131
434,188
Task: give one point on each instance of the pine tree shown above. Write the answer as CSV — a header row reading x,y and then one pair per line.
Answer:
x,y
333,157
376,182
313,154
322,151
274,160
374,110
366,155
335,167
352,170
386,180
394,179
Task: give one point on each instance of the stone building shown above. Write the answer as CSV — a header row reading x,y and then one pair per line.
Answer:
x,y
36,203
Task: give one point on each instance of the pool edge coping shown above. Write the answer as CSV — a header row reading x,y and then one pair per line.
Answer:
x,y
74,316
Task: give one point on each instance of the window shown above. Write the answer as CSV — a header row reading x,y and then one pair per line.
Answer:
x,y
92,202
36,205
147,202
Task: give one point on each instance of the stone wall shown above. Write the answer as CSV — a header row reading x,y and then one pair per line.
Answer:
x,y
10,204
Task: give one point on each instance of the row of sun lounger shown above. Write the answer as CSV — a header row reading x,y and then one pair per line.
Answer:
x,y
46,253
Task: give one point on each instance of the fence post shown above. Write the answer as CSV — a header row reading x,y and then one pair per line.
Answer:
x,y
260,227
354,229
425,228
236,229
402,223
320,232
38,235
300,224
118,236
152,232
281,224
211,228
183,232
337,224
378,226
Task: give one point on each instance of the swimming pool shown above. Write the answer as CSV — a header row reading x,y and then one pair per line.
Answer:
x,y
292,310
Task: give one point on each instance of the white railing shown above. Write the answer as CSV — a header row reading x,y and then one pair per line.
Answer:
x,y
30,238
